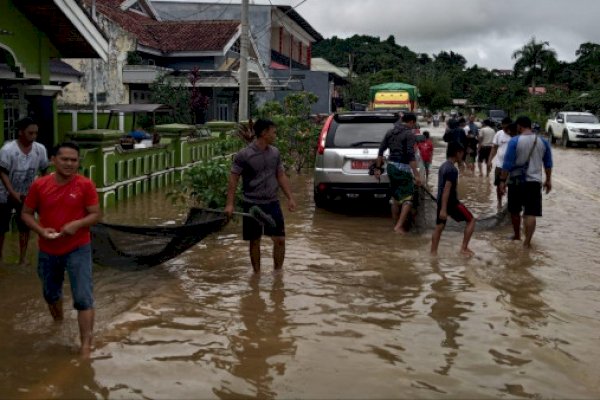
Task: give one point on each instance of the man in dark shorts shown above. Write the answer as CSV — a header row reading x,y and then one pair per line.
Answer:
x,y
259,165
20,161
499,143
448,203
486,137
401,168
526,156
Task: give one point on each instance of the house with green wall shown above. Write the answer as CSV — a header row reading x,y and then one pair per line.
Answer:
x,y
34,36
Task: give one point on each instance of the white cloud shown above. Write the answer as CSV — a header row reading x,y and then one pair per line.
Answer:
x,y
485,32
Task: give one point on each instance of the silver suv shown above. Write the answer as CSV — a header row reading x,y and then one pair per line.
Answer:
x,y
347,147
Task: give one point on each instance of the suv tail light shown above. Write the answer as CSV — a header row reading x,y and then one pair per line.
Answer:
x,y
323,135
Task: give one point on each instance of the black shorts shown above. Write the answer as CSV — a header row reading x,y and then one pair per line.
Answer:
x,y
526,197
497,172
6,212
484,154
253,230
458,212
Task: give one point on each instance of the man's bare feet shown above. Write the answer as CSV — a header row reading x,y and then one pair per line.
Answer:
x,y
400,230
56,310
467,252
85,352
86,348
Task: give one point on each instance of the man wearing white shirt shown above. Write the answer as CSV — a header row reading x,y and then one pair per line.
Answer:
x,y
499,144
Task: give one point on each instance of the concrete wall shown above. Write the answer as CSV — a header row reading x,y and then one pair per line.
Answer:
x,y
316,82
30,48
109,75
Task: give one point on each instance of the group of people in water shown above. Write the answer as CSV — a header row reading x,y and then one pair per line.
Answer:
x,y
60,207
520,156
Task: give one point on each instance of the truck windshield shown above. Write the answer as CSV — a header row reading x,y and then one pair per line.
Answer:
x,y
582,119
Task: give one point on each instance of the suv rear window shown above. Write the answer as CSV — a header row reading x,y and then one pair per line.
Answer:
x,y
360,134
360,130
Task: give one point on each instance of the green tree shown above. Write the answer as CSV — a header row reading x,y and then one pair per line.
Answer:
x,y
297,134
166,91
533,60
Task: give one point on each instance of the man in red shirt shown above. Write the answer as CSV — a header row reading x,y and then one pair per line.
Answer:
x,y
67,205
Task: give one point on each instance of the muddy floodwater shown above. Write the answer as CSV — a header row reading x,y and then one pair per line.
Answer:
x,y
359,312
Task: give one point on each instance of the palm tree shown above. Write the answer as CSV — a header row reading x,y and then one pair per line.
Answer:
x,y
534,59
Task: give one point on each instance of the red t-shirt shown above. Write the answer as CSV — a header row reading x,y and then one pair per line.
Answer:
x,y
426,150
57,205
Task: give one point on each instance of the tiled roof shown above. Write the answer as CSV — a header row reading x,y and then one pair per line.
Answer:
x,y
193,36
170,36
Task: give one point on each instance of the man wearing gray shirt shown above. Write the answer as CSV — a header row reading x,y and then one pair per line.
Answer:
x,y
20,162
259,165
525,158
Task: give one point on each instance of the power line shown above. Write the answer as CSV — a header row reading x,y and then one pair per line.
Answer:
x,y
190,17
263,30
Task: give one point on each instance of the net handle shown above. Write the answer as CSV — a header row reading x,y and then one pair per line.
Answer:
x,y
259,216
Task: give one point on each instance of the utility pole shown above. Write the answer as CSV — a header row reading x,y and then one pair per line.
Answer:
x,y
243,71
94,89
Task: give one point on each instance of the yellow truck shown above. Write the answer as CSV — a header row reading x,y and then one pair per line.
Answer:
x,y
394,96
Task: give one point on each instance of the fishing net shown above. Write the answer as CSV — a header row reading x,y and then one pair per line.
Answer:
x,y
138,247
426,205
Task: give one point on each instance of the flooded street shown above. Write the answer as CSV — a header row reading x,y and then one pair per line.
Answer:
x,y
359,312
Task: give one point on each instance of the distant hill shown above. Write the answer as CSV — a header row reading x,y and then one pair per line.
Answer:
x,y
366,54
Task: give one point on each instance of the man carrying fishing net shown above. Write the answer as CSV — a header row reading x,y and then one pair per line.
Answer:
x,y
401,168
259,165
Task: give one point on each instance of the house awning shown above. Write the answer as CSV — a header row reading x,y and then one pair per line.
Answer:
x,y
67,26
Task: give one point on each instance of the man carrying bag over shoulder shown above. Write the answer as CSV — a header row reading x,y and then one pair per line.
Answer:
x,y
526,155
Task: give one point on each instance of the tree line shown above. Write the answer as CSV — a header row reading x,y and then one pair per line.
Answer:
x,y
445,76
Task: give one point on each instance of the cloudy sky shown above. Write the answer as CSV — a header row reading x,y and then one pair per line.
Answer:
x,y
485,32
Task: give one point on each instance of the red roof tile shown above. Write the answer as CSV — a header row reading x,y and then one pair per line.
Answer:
x,y
170,36
193,36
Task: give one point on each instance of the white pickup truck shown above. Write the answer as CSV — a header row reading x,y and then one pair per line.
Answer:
x,y
570,128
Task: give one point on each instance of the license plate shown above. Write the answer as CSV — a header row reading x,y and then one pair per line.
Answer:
x,y
361,164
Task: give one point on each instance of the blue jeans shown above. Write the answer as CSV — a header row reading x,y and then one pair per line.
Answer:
x,y
78,263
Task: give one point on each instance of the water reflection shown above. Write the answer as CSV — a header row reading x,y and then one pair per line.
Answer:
x,y
53,373
521,291
260,343
447,310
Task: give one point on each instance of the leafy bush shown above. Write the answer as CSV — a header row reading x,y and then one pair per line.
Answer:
x,y
205,184
297,133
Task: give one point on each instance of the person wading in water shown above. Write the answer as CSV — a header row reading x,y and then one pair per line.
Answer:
x,y
260,167
401,168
